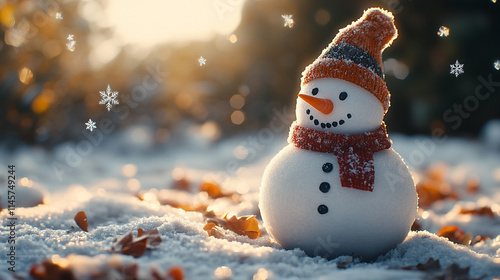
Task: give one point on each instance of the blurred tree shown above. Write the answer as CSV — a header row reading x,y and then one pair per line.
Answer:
x,y
48,92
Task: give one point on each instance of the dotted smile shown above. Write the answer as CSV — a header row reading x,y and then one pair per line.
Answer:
x,y
328,125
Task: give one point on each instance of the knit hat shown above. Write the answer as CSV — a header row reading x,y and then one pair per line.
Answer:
x,y
355,54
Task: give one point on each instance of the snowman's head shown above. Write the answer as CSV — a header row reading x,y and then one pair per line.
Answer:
x,y
338,106
343,90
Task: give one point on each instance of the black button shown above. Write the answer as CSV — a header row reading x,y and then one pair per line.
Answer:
x,y
327,167
322,209
324,187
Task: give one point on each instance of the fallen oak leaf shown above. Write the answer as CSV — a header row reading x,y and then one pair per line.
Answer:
x,y
244,225
81,220
175,273
152,236
47,270
136,247
185,207
126,245
472,185
416,226
213,230
181,184
452,232
434,270
214,191
483,211
456,235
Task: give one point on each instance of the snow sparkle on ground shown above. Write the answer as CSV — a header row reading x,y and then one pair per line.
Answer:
x,y
288,20
456,69
202,61
105,183
109,98
91,125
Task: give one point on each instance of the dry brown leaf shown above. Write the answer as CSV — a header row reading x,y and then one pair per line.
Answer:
x,y
136,247
473,185
213,190
483,211
213,230
175,273
47,270
182,184
345,264
416,226
434,270
245,225
186,207
81,220
457,235
152,236
453,233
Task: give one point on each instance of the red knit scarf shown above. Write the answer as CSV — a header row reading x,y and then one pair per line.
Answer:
x,y
354,152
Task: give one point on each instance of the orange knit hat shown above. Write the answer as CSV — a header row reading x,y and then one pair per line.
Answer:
x,y
355,54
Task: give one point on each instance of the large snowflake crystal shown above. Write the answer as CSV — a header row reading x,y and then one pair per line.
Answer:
x,y
202,60
456,69
288,20
109,98
91,125
443,31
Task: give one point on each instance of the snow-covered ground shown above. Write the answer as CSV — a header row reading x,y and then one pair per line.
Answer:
x,y
103,179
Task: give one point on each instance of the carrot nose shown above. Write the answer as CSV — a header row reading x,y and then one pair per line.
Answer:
x,y
325,106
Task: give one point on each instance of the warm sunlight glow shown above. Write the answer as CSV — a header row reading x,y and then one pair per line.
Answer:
x,y
151,22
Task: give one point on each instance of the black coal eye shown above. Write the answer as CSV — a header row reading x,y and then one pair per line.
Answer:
x,y
343,95
315,91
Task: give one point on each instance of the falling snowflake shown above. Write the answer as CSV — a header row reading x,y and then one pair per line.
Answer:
x,y
202,61
443,31
496,64
109,98
288,20
456,69
59,15
90,125
71,46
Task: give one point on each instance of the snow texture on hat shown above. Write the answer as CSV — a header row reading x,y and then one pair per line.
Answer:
x,y
355,54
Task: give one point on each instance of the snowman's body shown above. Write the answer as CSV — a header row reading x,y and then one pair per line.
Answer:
x,y
359,223
302,202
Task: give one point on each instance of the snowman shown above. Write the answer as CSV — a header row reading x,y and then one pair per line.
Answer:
x,y
339,188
